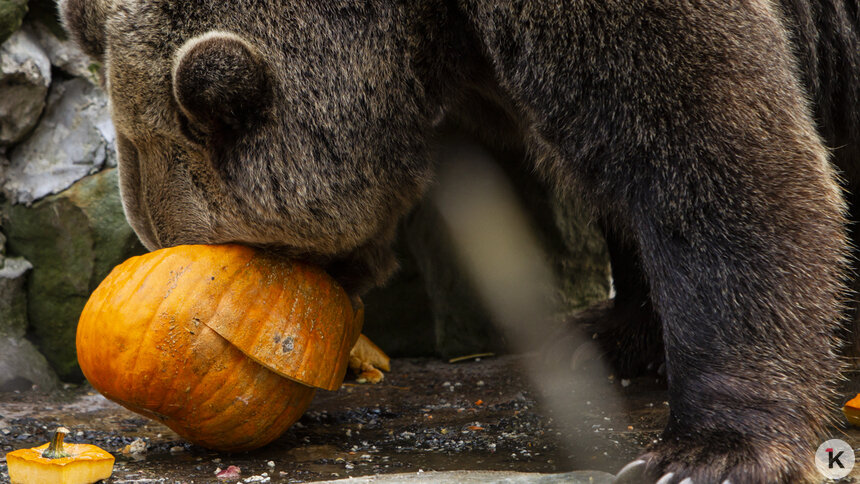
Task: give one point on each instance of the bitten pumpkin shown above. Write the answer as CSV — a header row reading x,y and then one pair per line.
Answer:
x,y
223,344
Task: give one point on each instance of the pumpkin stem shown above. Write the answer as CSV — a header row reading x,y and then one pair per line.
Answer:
x,y
55,450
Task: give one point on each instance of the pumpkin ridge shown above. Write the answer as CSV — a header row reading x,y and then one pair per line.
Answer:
x,y
182,315
349,317
163,330
201,385
150,333
278,306
216,395
254,331
94,305
153,265
210,396
223,301
314,311
316,283
349,336
225,290
106,293
288,317
222,429
278,421
302,288
234,281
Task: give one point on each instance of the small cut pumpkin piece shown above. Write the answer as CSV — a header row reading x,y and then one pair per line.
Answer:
x,y
366,360
852,411
59,463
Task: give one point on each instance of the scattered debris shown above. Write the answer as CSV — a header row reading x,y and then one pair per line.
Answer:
x,y
231,472
136,447
476,356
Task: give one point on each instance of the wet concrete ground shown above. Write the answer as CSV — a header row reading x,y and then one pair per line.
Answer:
x,y
426,416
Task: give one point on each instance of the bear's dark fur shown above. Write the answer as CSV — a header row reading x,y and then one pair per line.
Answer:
x,y
825,36
698,127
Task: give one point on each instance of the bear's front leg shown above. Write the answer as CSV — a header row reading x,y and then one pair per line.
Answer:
x,y
689,125
745,253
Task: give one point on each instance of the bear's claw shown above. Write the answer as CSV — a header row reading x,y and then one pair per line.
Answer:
x,y
667,478
633,472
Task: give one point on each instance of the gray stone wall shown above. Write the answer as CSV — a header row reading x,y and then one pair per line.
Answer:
x,y
62,227
61,221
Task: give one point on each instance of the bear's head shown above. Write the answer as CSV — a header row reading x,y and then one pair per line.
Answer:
x,y
296,125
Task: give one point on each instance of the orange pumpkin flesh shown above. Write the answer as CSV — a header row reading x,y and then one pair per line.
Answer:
x,y
223,344
80,463
852,410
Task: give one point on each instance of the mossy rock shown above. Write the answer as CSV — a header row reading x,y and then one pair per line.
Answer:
x,y
13,296
73,239
12,13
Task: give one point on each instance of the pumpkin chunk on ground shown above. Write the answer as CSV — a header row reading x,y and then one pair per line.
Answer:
x,y
366,360
59,463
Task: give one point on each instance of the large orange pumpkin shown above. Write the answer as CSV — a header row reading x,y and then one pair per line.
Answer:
x,y
223,344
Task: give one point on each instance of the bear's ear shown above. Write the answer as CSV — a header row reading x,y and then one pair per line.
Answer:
x,y
85,21
221,81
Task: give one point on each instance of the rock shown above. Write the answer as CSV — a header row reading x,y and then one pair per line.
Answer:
x,y
137,447
75,138
569,236
4,166
11,15
462,325
398,317
571,242
13,298
21,365
63,53
73,240
25,74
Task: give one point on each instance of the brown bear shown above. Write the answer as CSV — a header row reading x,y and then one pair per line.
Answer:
x,y
698,128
